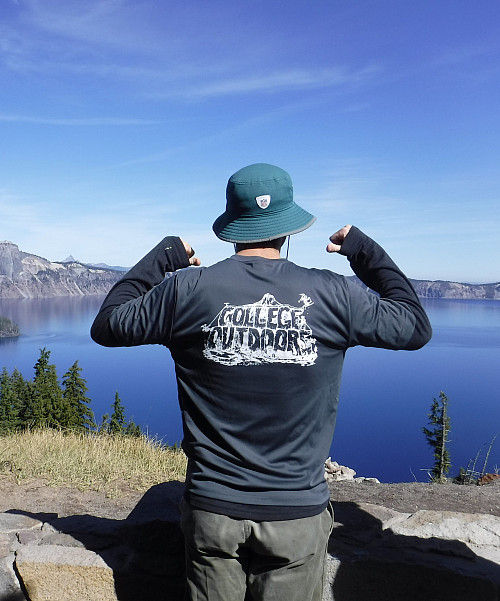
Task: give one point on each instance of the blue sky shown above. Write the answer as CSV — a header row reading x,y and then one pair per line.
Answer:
x,y
121,121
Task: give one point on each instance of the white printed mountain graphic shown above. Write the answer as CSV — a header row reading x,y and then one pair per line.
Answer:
x,y
259,333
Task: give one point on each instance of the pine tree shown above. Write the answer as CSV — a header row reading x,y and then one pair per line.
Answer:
x,y
117,420
8,404
104,427
78,415
42,402
133,429
23,393
437,437
46,403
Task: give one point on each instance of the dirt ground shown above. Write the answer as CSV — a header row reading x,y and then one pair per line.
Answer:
x,y
410,497
36,497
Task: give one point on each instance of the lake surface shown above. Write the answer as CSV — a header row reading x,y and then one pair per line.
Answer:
x,y
385,395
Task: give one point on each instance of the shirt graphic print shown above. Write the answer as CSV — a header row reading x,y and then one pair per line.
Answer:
x,y
263,332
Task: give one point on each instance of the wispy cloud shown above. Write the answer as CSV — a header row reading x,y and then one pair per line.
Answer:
x,y
297,79
84,21
479,62
356,108
91,121
281,112
106,38
197,82
164,57
460,55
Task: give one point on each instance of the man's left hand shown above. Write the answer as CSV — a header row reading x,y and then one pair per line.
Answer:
x,y
190,253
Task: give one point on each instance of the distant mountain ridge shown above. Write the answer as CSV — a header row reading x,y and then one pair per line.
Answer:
x,y
23,275
113,267
452,290
444,289
71,259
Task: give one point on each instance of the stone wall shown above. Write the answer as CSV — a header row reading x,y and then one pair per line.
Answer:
x,y
375,554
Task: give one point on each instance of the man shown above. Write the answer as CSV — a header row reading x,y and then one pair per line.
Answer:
x,y
258,344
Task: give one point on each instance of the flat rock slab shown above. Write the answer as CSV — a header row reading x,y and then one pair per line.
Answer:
x,y
378,554
470,528
481,533
14,522
64,574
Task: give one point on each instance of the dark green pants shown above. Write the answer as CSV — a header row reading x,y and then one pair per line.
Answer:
x,y
240,560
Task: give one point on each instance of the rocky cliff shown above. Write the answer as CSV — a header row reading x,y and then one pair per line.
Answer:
x,y
23,275
442,289
452,290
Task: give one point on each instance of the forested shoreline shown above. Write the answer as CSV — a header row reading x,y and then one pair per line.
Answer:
x,y
43,402
8,329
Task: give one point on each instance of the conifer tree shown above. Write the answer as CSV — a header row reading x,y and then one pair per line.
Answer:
x,y
19,386
9,407
23,393
45,403
42,402
104,427
133,429
437,437
117,420
78,415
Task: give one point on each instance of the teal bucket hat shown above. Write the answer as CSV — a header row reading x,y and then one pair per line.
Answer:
x,y
260,206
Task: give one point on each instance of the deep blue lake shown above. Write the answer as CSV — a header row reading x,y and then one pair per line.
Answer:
x,y
385,396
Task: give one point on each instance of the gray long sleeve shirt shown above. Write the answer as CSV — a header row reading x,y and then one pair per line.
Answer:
x,y
258,346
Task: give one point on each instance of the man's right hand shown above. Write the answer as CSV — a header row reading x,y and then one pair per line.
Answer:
x,y
337,239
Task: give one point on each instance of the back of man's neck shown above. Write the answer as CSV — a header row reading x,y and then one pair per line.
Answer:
x,y
266,253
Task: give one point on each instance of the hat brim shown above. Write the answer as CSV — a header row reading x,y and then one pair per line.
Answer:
x,y
264,227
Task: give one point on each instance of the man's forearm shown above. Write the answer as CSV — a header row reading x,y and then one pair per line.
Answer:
x,y
377,270
167,256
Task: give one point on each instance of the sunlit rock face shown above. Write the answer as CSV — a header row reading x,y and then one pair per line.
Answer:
x,y
23,275
451,290
441,289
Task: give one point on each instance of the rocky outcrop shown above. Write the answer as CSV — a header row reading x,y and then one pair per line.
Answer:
x,y
23,275
375,554
340,473
451,290
455,290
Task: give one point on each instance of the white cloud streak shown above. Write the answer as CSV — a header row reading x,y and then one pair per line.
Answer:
x,y
91,121
299,79
79,20
96,39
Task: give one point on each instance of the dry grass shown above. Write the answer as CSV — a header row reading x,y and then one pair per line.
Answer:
x,y
99,462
